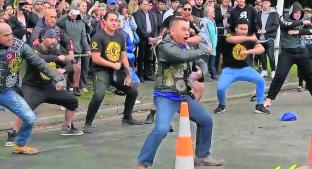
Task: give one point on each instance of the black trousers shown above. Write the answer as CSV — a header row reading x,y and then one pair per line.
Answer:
x,y
285,61
220,48
34,96
101,81
269,51
85,62
145,59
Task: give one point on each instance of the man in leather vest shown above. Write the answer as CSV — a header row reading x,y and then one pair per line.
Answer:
x,y
174,80
12,51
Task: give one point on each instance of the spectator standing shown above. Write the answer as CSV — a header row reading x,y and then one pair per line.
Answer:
x,y
85,61
160,11
198,9
128,23
74,27
38,7
210,34
222,13
23,22
133,6
147,31
267,23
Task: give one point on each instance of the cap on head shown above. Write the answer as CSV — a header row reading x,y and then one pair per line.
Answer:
x,y
241,21
111,2
36,1
47,33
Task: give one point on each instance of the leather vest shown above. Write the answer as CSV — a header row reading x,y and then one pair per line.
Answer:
x,y
10,63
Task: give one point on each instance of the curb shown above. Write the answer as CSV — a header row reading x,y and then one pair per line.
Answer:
x,y
117,111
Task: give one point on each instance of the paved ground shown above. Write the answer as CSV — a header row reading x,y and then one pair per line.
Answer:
x,y
244,139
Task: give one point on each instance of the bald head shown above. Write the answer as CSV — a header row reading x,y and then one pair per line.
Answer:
x,y
50,17
49,12
5,29
6,36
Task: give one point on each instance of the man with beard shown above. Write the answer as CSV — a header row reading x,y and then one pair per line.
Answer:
x,y
12,51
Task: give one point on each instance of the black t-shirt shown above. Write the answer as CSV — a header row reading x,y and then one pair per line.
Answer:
x,y
198,12
231,54
109,46
33,77
248,12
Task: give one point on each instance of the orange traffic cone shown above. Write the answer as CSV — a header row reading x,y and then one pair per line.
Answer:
x,y
184,147
310,152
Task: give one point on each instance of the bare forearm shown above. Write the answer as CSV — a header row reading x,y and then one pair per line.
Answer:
x,y
237,39
259,49
125,62
102,62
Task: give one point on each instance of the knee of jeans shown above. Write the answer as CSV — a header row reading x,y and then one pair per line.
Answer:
x,y
261,81
207,122
30,119
161,131
221,89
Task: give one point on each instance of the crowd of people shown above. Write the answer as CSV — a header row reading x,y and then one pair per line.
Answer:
x,y
178,44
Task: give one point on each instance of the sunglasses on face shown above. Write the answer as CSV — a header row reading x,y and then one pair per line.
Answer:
x,y
187,9
211,1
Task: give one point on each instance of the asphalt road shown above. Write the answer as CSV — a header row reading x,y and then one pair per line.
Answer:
x,y
244,139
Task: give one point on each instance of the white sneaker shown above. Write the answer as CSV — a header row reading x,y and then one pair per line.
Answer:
x,y
264,73
84,90
62,108
71,89
273,74
137,102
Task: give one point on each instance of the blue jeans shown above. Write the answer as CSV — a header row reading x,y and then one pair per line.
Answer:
x,y
165,110
16,104
231,75
211,63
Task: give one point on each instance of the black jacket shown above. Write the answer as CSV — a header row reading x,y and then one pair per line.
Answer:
x,y
271,25
248,12
140,20
219,19
159,17
19,31
287,22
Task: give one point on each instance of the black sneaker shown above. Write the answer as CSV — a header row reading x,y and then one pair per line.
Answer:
x,y
150,117
260,109
11,138
70,131
88,129
220,109
119,93
131,121
170,129
253,98
77,91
